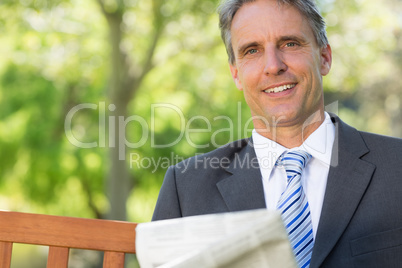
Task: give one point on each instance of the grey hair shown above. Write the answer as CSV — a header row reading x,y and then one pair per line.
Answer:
x,y
228,8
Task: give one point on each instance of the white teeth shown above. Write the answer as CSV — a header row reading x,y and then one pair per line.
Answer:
x,y
279,89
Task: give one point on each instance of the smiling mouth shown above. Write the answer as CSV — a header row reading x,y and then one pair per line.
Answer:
x,y
280,88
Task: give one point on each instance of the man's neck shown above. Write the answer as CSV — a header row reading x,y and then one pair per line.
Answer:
x,y
293,135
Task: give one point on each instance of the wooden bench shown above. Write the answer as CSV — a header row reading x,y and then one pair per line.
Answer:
x,y
115,238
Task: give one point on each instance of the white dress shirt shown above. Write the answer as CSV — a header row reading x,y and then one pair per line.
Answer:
x,y
314,178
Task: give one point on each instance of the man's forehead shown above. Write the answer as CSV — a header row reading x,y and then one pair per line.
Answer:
x,y
268,15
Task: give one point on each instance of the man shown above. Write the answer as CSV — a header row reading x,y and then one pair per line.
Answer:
x,y
352,184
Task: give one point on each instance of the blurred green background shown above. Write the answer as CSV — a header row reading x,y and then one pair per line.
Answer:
x,y
95,96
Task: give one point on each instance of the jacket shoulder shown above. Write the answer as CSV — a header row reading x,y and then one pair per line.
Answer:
x,y
219,158
373,138
383,148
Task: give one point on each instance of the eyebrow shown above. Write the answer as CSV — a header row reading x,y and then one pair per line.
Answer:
x,y
292,37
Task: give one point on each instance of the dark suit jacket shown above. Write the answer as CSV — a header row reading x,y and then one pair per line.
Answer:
x,y
361,218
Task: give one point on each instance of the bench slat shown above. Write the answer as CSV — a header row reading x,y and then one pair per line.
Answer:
x,y
113,260
5,254
102,235
58,257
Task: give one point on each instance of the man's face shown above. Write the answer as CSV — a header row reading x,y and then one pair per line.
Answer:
x,y
278,63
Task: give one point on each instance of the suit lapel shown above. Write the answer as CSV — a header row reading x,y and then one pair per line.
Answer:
x,y
243,189
348,179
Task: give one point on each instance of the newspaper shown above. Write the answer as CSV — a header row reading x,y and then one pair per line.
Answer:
x,y
255,239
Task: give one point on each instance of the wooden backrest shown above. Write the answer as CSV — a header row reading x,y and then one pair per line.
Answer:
x,y
115,238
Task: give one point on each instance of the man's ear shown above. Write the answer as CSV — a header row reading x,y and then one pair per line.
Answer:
x,y
326,59
235,76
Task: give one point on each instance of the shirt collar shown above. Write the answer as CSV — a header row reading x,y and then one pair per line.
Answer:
x,y
266,150
319,143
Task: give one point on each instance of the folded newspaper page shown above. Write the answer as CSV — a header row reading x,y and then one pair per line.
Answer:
x,y
254,238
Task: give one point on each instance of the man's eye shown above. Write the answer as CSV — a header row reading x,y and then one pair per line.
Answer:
x,y
252,51
291,44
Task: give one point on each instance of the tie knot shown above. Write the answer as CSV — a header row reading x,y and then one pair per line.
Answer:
x,y
293,162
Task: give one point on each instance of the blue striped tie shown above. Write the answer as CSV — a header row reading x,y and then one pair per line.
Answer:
x,y
294,207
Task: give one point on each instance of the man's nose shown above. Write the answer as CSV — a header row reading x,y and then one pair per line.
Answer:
x,y
274,63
